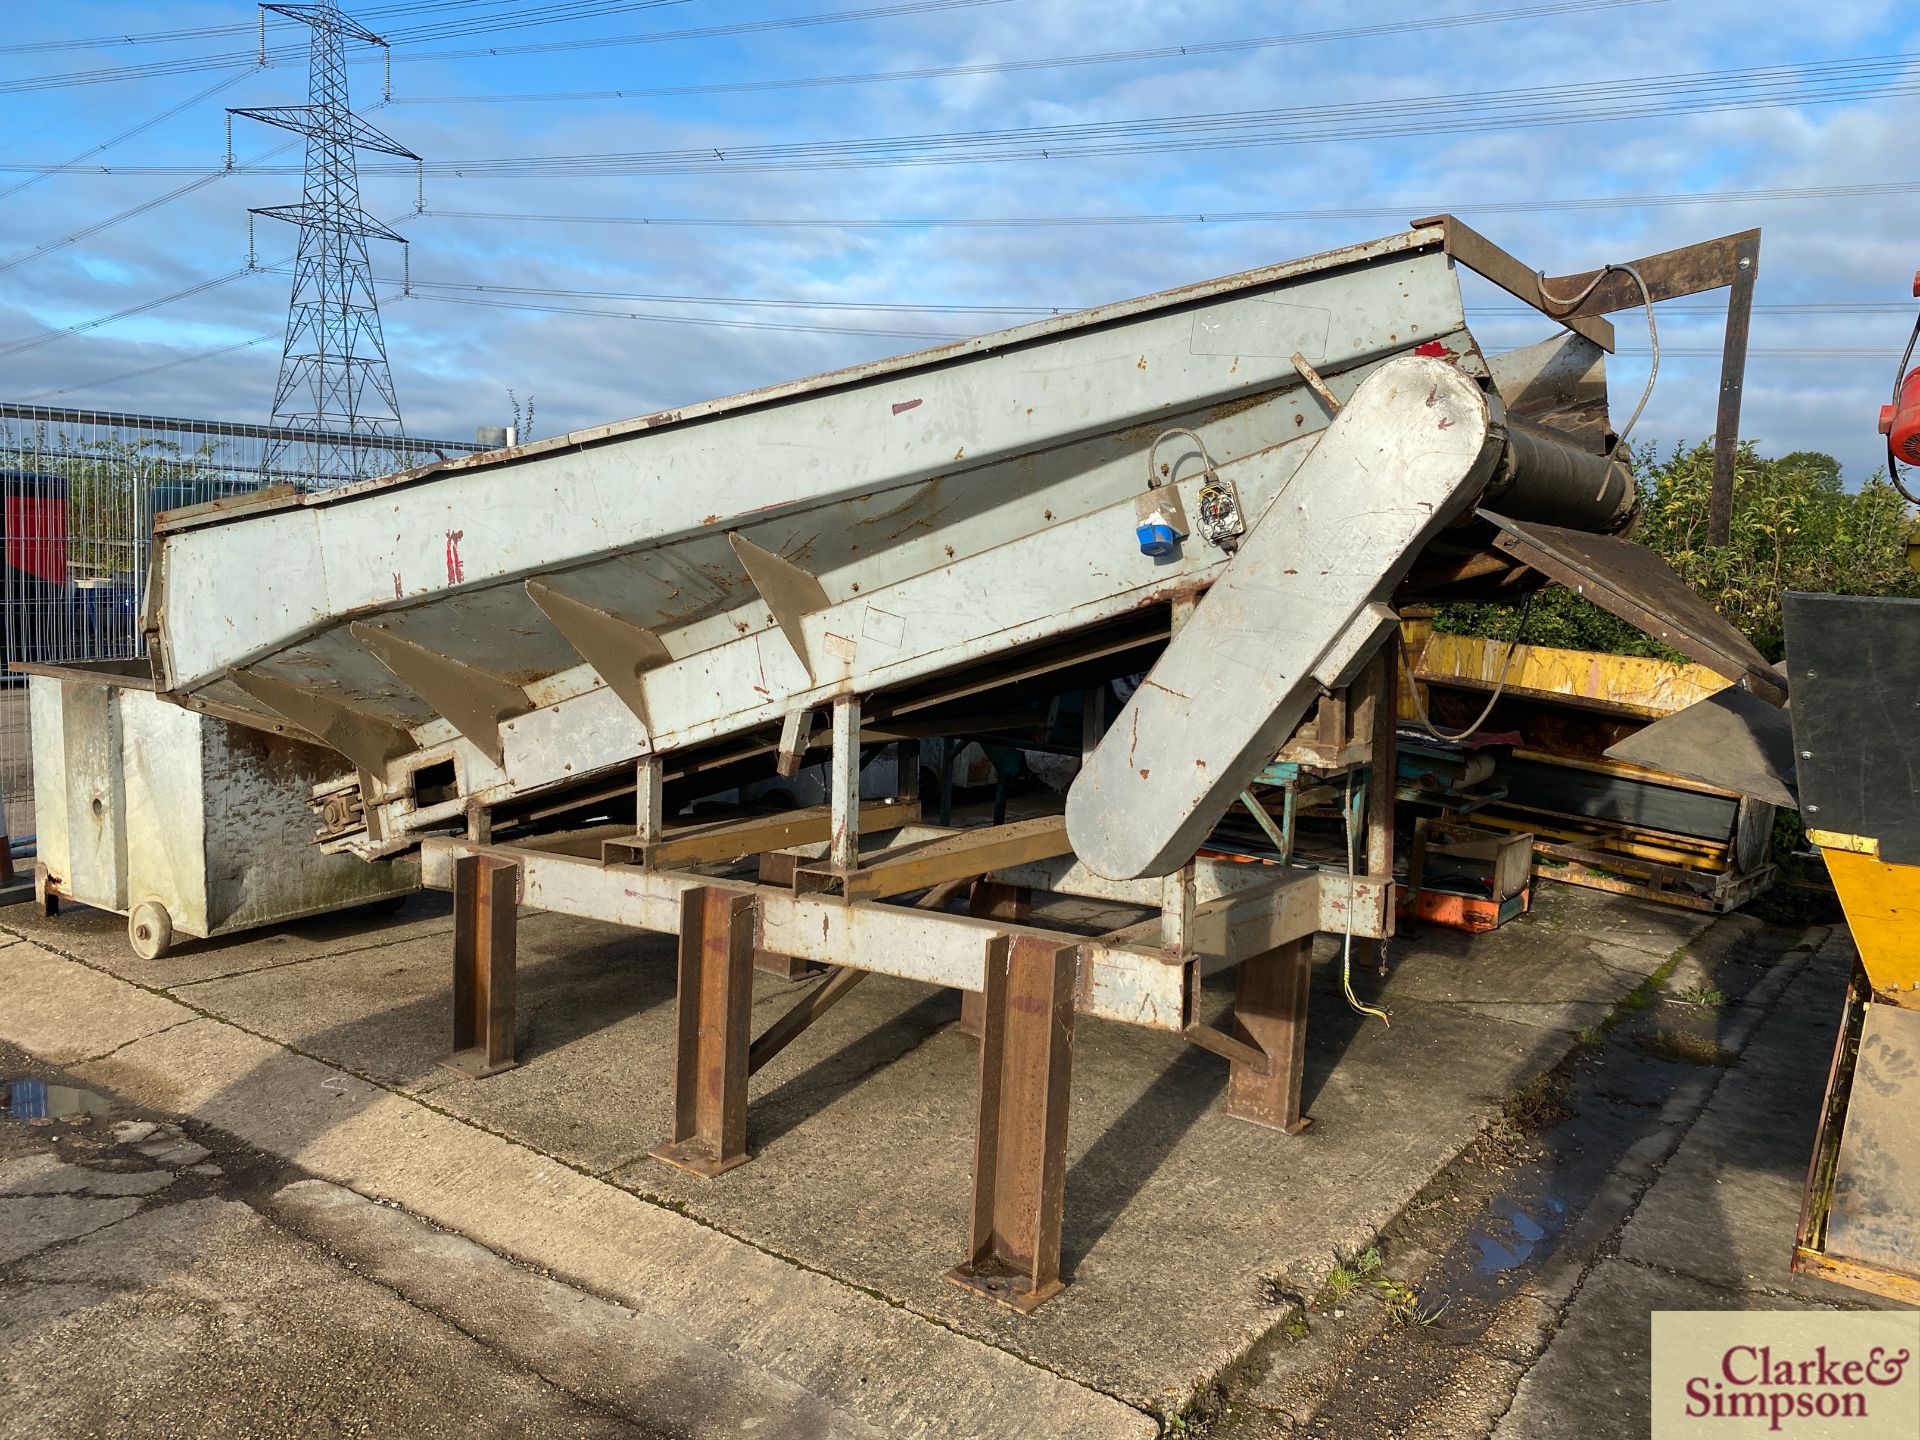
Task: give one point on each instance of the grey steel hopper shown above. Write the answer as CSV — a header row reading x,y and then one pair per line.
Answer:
x,y
496,633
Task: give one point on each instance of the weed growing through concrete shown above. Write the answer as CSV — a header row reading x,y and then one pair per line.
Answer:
x,y
1702,997
1686,1047
1537,1106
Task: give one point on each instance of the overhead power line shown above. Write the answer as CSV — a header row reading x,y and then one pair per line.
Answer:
x,y
797,302
86,232
1762,355
47,337
698,320
1191,51
519,18
139,129
481,25
705,32
1538,107
1207,217
147,370
241,27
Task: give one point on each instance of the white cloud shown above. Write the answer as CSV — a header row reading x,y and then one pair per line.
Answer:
x,y
453,363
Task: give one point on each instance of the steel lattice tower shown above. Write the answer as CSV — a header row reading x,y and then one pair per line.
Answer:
x,y
333,369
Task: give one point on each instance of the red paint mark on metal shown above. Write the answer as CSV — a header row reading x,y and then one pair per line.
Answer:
x,y
1445,423
398,592
456,570
1433,349
900,407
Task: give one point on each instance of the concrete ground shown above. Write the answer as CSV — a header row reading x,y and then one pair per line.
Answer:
x,y
811,1277
1661,1169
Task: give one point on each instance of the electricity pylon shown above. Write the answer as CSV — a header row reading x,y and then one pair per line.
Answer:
x,y
334,376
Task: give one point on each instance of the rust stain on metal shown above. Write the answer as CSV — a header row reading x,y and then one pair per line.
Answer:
x,y
398,591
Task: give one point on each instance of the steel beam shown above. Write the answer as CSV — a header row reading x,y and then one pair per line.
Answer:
x,y
797,1020
843,785
1470,248
1020,1150
1270,1013
1733,381
1136,983
485,964
777,868
987,900
936,862
724,840
711,1048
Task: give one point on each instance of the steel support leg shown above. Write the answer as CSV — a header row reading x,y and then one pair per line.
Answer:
x,y
1020,1154
988,901
843,850
486,896
714,1009
1270,1012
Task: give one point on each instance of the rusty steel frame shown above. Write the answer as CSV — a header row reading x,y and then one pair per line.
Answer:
x,y
1023,986
713,1014
1020,1148
991,900
1729,262
1270,1014
485,964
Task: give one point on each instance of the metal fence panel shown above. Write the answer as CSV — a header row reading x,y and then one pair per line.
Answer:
x,y
78,493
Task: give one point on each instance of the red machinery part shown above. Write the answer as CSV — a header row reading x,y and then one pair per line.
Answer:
x,y
1900,421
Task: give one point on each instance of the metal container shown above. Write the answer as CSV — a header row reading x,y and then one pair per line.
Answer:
x,y
187,824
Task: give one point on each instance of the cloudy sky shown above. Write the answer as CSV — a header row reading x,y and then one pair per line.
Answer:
x,y
1508,113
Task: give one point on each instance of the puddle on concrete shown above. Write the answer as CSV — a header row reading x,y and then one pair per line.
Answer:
x,y
1509,1234
37,1100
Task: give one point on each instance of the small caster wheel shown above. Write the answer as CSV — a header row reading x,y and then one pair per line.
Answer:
x,y
150,930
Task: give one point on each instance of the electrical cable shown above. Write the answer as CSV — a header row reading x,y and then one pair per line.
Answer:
x,y
1555,303
481,25
1212,217
692,319
1499,689
1346,945
1638,97
1206,460
242,27
141,128
1194,50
